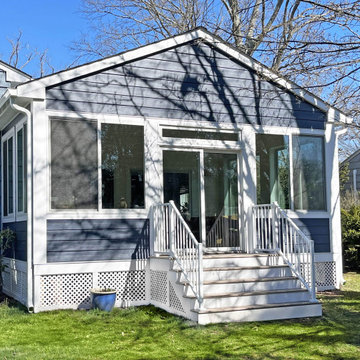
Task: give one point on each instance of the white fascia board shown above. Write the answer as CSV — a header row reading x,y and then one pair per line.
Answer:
x,y
37,87
13,75
336,115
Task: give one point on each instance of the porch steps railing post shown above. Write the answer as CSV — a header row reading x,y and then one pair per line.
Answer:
x,y
176,239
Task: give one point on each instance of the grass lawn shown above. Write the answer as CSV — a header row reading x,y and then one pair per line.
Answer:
x,y
148,333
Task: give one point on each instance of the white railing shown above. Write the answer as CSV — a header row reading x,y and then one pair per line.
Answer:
x,y
275,232
173,236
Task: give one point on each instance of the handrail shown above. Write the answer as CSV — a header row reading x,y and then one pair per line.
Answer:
x,y
275,232
173,236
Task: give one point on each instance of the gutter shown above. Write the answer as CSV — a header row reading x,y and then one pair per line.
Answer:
x,y
29,243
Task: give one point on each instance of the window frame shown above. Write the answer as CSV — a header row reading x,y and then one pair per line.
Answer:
x,y
291,135
99,211
324,177
10,217
21,215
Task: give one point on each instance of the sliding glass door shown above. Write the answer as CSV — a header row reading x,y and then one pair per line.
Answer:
x,y
221,200
204,187
182,185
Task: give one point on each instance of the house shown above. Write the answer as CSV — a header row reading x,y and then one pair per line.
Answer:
x,y
353,183
183,174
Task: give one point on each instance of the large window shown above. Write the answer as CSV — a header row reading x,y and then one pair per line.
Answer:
x,y
8,175
76,165
74,168
308,171
273,170
122,164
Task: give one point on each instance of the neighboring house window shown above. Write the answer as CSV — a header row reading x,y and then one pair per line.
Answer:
x,y
21,159
273,170
74,168
8,175
122,164
309,173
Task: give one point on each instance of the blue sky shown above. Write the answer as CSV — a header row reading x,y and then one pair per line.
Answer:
x,y
46,24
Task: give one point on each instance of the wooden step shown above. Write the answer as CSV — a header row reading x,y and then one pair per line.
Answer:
x,y
234,281
253,267
291,310
251,307
250,293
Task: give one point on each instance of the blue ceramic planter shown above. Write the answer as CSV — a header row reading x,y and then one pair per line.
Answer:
x,y
103,300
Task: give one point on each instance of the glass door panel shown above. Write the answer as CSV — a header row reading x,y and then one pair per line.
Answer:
x,y
182,185
221,200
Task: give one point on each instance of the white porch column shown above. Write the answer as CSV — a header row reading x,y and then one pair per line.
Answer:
x,y
248,172
153,170
333,199
41,195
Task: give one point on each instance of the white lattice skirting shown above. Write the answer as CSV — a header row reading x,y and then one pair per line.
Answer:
x,y
325,275
15,280
150,284
72,291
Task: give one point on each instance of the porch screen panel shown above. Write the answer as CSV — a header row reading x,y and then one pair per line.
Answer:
x,y
122,164
309,173
74,176
273,169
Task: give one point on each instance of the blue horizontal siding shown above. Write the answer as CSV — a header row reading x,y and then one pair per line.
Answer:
x,y
317,230
19,248
192,81
92,240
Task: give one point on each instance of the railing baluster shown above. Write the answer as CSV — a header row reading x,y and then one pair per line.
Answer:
x,y
274,230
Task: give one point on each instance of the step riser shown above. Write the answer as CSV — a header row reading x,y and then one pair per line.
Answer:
x,y
251,286
246,274
288,312
255,300
242,261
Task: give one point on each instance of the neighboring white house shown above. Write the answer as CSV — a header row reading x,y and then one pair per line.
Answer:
x,y
353,184
183,173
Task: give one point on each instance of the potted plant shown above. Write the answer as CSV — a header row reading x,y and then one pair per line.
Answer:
x,y
103,298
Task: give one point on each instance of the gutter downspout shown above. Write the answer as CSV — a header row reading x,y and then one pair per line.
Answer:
x,y
29,263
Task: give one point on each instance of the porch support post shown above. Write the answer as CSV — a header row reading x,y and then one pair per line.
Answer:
x,y
41,189
153,173
333,198
248,185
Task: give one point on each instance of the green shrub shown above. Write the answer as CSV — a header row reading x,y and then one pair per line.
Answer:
x,y
7,237
350,223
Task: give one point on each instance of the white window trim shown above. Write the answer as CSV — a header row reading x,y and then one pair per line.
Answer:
x,y
292,211
6,137
98,212
20,215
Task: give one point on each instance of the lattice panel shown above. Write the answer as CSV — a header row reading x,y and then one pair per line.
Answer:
x,y
15,284
6,281
158,290
129,285
325,274
65,289
174,301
